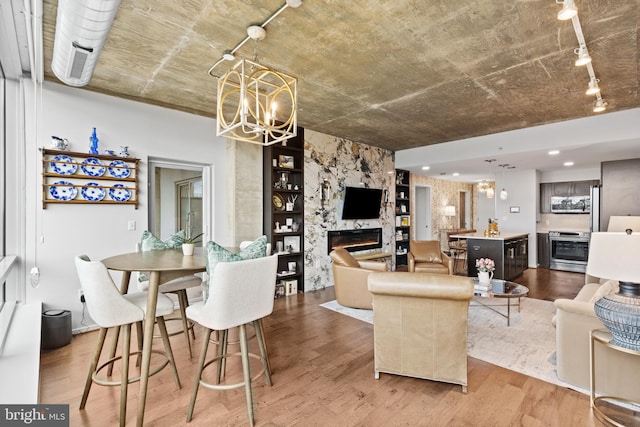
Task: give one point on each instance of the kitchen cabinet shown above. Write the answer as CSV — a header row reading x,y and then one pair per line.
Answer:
x,y
563,189
510,254
283,219
403,218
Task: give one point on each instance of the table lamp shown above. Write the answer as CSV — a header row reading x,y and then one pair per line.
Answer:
x,y
615,256
449,211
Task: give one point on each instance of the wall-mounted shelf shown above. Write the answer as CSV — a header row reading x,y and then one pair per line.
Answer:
x,y
82,178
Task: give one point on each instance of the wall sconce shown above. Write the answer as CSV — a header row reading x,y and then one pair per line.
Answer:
x,y
385,198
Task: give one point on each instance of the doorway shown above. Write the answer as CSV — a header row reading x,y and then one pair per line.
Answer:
x,y
422,207
179,199
464,209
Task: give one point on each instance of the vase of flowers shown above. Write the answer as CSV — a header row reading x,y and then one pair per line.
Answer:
x,y
485,268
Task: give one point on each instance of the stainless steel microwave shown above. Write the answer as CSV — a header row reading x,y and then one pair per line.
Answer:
x,y
571,204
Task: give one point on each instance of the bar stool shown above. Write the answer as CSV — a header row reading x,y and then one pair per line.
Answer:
x,y
240,293
110,309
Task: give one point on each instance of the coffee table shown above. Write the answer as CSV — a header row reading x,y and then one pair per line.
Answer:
x,y
500,289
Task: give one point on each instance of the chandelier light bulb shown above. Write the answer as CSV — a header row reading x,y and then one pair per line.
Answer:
x,y
568,11
593,87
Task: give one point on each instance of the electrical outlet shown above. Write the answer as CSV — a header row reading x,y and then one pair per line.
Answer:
x,y
81,295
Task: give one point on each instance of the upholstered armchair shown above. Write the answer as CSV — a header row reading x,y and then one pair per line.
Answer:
x,y
420,325
617,373
426,256
350,278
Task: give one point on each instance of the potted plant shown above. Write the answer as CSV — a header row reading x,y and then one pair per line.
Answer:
x,y
188,244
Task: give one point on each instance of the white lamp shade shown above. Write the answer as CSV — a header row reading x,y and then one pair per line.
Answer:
x,y
490,193
449,210
614,256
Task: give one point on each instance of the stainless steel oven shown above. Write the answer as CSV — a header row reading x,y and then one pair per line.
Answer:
x,y
569,251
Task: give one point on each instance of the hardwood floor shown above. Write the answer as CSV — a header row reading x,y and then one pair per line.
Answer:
x,y
322,365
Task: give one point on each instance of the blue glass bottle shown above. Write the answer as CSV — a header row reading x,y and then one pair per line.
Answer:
x,y
94,143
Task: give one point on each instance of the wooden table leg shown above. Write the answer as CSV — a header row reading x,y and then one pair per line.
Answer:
x,y
152,299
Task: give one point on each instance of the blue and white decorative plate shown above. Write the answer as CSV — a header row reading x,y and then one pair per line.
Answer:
x,y
63,165
93,192
119,169
119,193
63,190
93,167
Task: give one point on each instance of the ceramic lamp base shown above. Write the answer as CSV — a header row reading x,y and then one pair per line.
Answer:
x,y
620,313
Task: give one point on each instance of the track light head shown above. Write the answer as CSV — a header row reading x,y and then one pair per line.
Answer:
x,y
568,11
599,105
593,87
583,56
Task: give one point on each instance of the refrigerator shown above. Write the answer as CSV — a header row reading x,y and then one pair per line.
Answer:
x,y
594,214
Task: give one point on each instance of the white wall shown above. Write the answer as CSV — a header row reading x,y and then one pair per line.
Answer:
x,y
521,189
58,233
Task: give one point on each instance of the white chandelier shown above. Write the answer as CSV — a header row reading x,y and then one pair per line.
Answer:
x,y
256,103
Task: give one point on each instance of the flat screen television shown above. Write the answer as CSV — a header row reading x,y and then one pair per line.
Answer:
x,y
361,203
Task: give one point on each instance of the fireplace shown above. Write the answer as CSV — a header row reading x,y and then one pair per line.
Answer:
x,y
355,240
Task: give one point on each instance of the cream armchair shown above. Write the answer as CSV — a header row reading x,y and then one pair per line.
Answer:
x,y
350,278
420,325
617,373
426,256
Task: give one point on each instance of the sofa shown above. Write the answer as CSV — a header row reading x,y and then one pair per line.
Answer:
x,y
350,278
426,256
420,325
617,373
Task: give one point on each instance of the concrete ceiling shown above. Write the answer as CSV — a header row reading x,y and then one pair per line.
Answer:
x,y
396,74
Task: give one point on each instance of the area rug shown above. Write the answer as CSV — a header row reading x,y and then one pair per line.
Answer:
x,y
527,346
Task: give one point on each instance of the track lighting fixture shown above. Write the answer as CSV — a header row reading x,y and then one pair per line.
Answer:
x,y
583,56
593,87
569,10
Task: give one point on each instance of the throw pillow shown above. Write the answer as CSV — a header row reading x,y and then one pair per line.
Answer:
x,y
149,242
608,287
216,253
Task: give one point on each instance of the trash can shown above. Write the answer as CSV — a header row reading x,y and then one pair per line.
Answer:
x,y
56,329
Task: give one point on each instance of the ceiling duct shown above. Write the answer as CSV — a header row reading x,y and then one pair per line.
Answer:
x,y
82,28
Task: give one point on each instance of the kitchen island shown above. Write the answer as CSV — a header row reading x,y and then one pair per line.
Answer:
x,y
509,251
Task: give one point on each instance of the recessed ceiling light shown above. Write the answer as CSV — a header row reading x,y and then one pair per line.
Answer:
x,y
568,163
553,152
426,168
456,174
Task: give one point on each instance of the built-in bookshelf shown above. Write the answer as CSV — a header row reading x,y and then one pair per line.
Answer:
x,y
403,217
284,210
